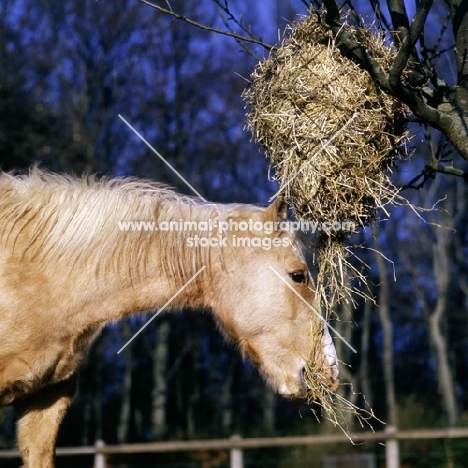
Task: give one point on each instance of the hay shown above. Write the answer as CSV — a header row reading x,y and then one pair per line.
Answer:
x,y
308,94
323,394
331,135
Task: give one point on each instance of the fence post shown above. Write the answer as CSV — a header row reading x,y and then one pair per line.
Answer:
x,y
99,457
392,451
237,457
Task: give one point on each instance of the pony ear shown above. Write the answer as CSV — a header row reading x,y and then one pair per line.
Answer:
x,y
277,211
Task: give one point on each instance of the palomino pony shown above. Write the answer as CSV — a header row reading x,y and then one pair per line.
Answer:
x,y
71,260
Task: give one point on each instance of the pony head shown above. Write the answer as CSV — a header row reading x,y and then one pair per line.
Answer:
x,y
263,297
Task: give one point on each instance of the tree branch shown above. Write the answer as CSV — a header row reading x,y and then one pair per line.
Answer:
x,y
230,17
437,167
205,27
415,72
409,42
420,180
399,18
429,54
348,44
432,106
438,154
382,21
459,14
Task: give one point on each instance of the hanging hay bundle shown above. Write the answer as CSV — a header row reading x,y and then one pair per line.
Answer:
x,y
331,135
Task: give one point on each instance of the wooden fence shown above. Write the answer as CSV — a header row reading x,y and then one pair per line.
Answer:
x,y
236,444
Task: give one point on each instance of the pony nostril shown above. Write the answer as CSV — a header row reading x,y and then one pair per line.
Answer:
x,y
305,371
303,383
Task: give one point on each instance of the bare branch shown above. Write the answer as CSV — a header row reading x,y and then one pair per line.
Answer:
x,y
409,41
205,27
225,7
382,20
437,157
333,13
432,106
428,55
429,172
230,17
351,47
459,14
415,72
437,167
400,20
420,180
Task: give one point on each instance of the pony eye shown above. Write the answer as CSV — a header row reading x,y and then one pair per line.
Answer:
x,y
298,276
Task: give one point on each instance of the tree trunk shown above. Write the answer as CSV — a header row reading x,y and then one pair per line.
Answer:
x,y
345,329
160,361
226,408
391,449
365,340
126,405
443,277
269,411
98,386
195,384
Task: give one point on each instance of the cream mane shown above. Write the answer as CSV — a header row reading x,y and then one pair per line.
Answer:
x,y
76,220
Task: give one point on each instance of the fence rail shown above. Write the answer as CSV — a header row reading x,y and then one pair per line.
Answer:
x,y
236,444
